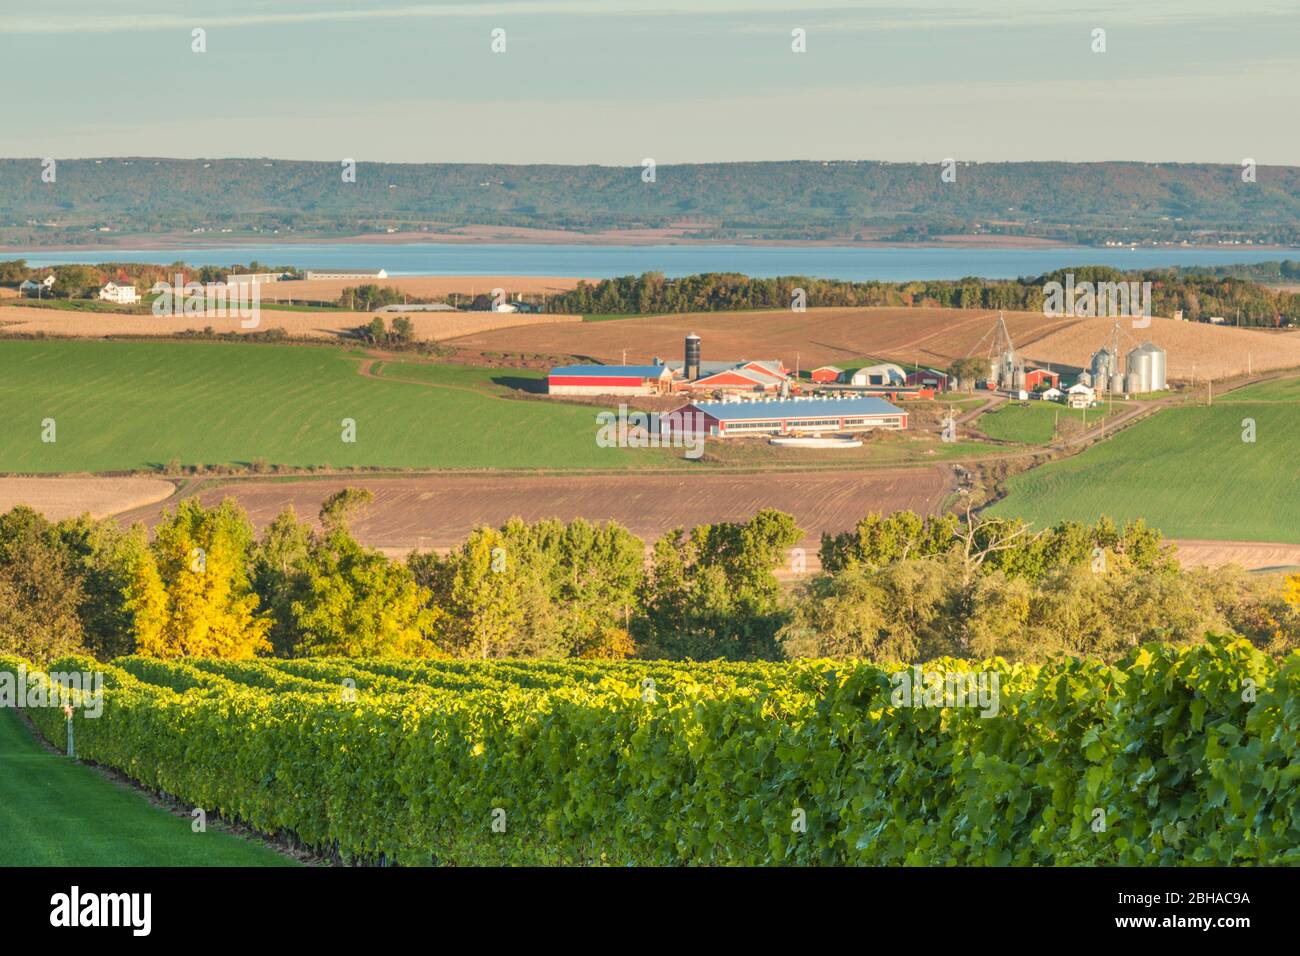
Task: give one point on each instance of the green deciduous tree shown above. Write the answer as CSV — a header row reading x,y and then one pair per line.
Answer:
x,y
40,592
357,603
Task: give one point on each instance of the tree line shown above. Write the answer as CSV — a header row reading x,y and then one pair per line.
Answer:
x,y
80,281
897,587
1198,294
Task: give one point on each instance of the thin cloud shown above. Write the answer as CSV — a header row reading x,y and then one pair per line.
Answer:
x,y
92,21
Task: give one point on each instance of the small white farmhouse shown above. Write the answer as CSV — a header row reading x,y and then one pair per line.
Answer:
x,y
121,294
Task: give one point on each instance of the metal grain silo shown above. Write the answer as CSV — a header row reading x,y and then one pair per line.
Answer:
x,y
1104,366
1159,367
1146,364
1138,364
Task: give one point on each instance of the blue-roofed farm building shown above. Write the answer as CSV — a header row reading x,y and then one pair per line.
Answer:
x,y
787,416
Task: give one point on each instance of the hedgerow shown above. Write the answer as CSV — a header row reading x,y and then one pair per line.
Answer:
x,y
1172,756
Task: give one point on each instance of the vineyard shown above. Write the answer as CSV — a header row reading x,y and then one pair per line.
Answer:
x,y
1173,756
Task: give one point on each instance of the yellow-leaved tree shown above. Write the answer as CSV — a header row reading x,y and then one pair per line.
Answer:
x,y
1291,592
189,592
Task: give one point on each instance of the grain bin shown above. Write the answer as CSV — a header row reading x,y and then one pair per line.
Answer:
x,y
1159,367
1104,367
1146,368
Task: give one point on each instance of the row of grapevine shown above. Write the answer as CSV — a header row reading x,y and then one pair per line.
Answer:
x,y
1173,756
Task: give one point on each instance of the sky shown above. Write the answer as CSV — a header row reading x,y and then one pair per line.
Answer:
x,y
613,82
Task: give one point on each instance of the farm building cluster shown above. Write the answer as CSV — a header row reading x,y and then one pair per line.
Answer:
x,y
1143,372
735,397
694,377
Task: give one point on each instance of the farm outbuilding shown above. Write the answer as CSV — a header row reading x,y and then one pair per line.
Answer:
x,y
886,373
1080,396
348,274
929,378
1036,377
788,416
826,374
733,376
30,288
608,380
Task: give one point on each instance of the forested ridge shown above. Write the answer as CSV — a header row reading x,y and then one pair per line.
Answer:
x,y
1075,202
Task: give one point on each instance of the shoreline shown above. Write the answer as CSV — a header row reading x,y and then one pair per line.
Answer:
x,y
505,236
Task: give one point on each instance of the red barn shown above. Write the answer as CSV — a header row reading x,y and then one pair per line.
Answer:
x,y
608,380
929,378
1036,377
826,374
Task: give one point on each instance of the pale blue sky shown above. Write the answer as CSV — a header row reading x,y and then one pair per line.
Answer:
x,y
614,81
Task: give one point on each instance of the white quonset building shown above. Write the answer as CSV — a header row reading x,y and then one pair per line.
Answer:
x,y
886,373
787,416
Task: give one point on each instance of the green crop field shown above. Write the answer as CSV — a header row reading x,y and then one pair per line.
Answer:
x,y
1033,424
1186,470
499,382
1276,390
138,405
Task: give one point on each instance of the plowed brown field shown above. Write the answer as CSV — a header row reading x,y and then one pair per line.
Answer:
x,y
440,511
434,326
58,498
925,336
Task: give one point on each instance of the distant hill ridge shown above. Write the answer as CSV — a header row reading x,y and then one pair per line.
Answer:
x,y
1082,202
